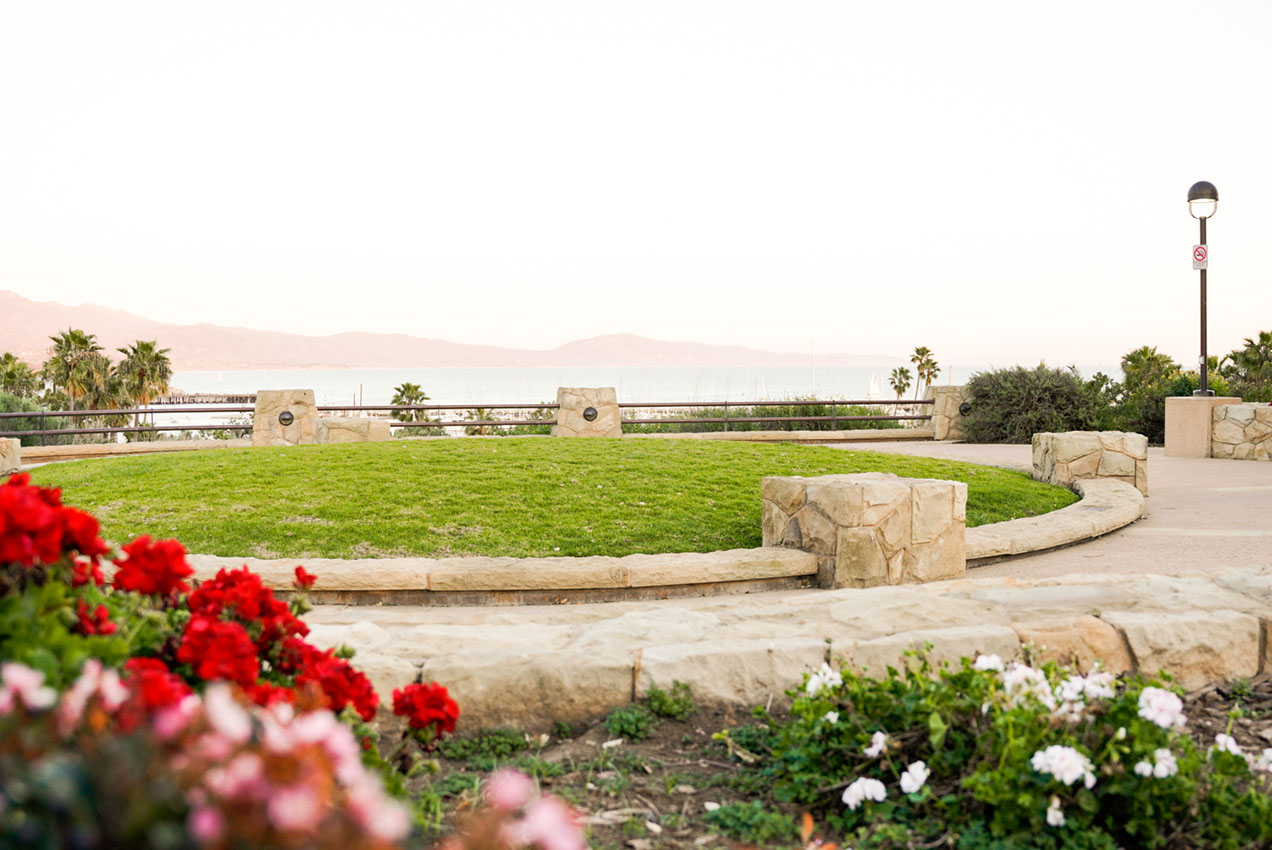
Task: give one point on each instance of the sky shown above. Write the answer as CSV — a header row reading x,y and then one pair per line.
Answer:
x,y
1001,182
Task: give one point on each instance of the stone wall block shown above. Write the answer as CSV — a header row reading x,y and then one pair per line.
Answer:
x,y
1063,459
869,529
267,430
349,429
1241,432
1228,431
10,455
573,402
1196,646
787,492
1077,640
947,421
1263,414
1242,414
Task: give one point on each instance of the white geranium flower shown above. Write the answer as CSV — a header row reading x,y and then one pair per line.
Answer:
x,y
1065,764
914,777
878,741
1021,681
823,678
988,662
1227,744
1264,761
1162,707
1055,815
1165,765
1143,768
831,717
864,789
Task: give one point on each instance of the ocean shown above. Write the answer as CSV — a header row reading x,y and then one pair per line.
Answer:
x,y
535,385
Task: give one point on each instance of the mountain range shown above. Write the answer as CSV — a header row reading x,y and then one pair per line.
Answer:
x,y
26,325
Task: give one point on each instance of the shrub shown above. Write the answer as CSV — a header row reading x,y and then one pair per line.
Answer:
x,y
994,755
633,722
1011,405
676,704
1144,410
13,404
795,407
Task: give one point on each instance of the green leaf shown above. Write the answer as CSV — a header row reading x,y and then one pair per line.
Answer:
x,y
1087,802
936,730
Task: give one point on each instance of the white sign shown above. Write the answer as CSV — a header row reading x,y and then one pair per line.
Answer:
x,y
1201,257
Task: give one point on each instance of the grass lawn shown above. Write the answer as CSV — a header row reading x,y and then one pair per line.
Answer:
x,y
512,496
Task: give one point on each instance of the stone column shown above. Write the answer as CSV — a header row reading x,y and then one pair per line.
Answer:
x,y
284,418
10,455
1062,458
587,412
1242,432
1188,424
870,528
947,420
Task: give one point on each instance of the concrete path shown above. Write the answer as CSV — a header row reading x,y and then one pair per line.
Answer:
x,y
1201,515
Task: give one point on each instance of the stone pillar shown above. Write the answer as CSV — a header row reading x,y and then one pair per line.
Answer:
x,y
1188,424
1063,458
10,455
870,528
272,407
587,412
947,420
1242,432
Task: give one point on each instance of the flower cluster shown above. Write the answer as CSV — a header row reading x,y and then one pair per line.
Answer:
x,y
280,776
826,677
37,529
153,568
515,816
1162,707
1164,765
426,707
1065,764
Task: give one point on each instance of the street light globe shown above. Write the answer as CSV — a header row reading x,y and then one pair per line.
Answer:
x,y
1203,197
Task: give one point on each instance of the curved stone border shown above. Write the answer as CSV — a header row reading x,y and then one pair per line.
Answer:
x,y
574,663
1106,505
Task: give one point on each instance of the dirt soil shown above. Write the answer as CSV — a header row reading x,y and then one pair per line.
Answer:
x,y
654,794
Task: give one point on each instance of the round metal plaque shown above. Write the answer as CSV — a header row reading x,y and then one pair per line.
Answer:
x,y
589,414
286,418
965,408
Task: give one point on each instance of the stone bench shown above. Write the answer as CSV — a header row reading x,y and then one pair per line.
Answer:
x,y
870,528
1062,458
1242,432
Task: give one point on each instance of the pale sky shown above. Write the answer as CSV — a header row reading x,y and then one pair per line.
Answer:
x,y
1001,182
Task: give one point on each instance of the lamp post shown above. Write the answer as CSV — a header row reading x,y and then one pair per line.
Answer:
x,y
1203,198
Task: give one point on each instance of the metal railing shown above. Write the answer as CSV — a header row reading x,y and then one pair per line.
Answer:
x,y
636,408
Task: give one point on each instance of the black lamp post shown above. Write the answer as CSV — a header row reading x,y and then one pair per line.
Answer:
x,y
1203,197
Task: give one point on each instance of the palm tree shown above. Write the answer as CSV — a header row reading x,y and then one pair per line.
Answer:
x,y
67,364
408,393
925,368
17,378
144,372
1250,368
1145,366
900,381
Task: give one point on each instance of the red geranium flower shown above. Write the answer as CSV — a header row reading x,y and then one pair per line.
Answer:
x,y
153,568
304,580
96,622
242,595
36,528
218,649
339,682
155,685
426,705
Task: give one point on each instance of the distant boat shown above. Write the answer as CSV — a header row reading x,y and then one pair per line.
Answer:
x,y
872,391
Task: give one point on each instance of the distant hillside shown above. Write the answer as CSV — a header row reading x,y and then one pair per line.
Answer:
x,y
25,328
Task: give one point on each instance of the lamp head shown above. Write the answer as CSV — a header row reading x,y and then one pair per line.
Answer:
x,y
1203,198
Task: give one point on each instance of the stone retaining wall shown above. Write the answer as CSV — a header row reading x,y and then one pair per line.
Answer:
x,y
340,429
1071,456
574,663
268,430
1242,432
10,455
574,404
869,528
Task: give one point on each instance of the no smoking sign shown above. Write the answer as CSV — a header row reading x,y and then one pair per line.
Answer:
x,y
1201,257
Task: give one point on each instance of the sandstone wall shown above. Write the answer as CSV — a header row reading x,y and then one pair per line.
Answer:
x,y
339,429
947,421
1074,455
1242,432
574,403
267,430
10,455
870,528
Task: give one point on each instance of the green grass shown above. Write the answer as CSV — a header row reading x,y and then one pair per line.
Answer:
x,y
516,496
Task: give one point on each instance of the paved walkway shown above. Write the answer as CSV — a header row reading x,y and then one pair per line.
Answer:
x,y
1201,515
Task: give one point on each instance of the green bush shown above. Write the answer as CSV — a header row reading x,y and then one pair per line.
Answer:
x,y
497,744
676,703
1144,410
633,722
795,407
13,404
1011,405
